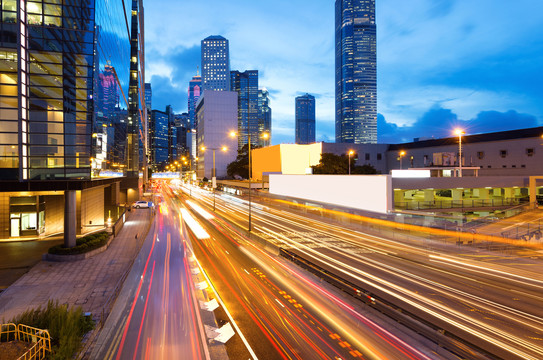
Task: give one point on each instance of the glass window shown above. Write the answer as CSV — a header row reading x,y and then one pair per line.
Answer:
x,y
7,78
9,150
9,126
480,155
9,5
9,17
503,153
45,80
34,19
8,90
52,21
6,114
46,127
9,102
55,10
9,162
530,151
29,221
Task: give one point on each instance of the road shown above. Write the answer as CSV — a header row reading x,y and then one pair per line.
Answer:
x,y
497,313
284,312
155,315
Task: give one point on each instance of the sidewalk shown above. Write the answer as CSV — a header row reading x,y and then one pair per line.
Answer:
x,y
87,283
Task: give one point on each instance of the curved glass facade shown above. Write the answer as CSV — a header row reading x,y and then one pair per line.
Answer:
x,y
356,72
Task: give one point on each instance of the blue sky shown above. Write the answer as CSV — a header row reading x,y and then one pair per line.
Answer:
x,y
441,63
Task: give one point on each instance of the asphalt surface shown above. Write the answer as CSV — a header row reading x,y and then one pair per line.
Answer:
x,y
156,315
495,308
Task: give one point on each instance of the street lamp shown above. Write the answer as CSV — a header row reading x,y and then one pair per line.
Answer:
x,y
350,153
213,171
459,132
263,136
402,154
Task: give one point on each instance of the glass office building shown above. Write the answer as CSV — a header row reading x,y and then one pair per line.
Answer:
x,y
64,92
305,119
246,85
356,72
64,69
195,89
159,138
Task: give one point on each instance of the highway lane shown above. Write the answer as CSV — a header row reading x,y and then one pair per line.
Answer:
x,y
285,314
155,315
497,311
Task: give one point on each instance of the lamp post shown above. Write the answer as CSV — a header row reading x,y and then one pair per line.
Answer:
x,y
350,153
459,132
402,154
213,171
263,136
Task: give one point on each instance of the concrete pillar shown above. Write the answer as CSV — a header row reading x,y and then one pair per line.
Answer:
x,y
508,193
457,194
518,192
398,196
70,218
497,192
429,195
532,190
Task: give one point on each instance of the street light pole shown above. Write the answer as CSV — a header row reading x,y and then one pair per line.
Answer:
x,y
402,153
459,132
250,168
350,153
213,180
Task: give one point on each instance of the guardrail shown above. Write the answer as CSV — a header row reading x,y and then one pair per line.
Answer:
x,y
40,338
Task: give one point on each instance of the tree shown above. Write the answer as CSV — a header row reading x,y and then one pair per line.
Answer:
x,y
339,164
240,167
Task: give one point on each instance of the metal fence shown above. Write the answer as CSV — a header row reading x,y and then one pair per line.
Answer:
x,y
39,338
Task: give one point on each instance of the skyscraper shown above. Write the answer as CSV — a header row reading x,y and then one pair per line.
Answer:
x,y
356,72
246,85
264,116
215,64
305,119
159,138
195,88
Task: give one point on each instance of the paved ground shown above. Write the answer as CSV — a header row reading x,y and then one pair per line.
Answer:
x,y
87,283
520,222
18,257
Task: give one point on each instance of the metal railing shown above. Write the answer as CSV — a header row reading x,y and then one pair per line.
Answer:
x,y
458,204
526,232
40,338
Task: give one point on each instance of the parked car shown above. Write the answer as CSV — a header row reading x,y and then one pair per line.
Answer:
x,y
142,204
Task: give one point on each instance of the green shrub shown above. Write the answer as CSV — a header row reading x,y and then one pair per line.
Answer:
x,y
82,245
66,327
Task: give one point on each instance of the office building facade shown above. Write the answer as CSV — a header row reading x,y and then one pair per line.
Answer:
x,y
356,72
246,85
215,64
216,116
159,139
305,119
64,79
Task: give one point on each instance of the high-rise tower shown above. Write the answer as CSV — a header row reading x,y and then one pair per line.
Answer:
x,y
215,64
246,85
195,88
356,72
305,119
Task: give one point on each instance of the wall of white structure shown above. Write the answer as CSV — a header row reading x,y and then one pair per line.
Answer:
x,y
365,192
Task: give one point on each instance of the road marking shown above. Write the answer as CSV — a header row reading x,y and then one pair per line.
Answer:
x,y
246,271
279,303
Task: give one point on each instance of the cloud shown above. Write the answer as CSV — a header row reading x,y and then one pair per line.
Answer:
x,y
439,123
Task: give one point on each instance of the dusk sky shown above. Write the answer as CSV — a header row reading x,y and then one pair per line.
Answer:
x,y
441,63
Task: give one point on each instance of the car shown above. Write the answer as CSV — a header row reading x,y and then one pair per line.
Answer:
x,y
142,204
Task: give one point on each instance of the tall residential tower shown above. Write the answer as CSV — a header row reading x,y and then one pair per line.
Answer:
x,y
356,72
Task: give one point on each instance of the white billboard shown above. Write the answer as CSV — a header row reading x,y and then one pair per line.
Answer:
x,y
364,192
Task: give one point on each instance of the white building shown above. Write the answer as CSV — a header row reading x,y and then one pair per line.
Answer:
x,y
216,118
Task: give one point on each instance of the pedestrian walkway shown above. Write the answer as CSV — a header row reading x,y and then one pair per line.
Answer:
x,y
88,283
